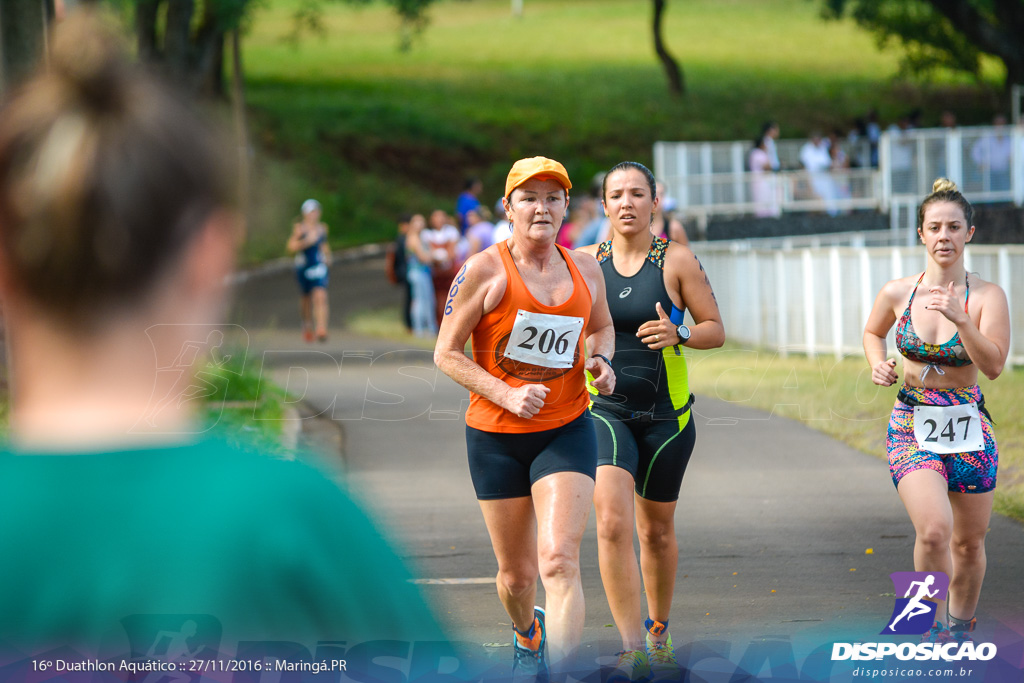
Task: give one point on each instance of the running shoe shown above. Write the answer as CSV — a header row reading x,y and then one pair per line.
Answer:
x,y
632,667
307,335
662,657
938,633
960,631
528,656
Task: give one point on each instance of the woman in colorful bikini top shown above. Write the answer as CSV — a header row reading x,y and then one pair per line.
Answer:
x,y
950,353
942,452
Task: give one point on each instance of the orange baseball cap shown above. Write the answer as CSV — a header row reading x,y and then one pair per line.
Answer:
x,y
536,167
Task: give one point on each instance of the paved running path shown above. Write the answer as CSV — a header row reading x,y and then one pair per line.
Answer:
x,y
774,519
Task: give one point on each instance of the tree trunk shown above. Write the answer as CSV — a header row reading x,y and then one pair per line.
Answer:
x,y
23,25
177,39
676,82
145,29
206,65
241,122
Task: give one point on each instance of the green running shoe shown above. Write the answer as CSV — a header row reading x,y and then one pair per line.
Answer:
x,y
662,658
632,667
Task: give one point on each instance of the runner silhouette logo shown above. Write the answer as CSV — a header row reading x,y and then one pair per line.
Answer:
x,y
914,612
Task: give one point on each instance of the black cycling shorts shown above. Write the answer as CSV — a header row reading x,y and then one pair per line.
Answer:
x,y
507,465
655,451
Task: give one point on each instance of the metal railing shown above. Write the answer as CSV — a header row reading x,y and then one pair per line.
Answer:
x,y
816,301
771,194
711,178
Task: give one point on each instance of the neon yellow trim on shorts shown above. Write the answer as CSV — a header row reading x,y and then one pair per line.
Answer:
x,y
677,376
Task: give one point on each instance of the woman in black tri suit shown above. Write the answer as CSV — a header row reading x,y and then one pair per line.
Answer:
x,y
645,431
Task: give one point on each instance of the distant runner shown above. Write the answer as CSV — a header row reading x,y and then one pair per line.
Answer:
x,y
308,242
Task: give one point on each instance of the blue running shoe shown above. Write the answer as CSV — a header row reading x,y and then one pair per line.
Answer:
x,y
528,654
938,633
960,630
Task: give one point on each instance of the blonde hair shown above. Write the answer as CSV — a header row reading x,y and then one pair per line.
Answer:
x,y
105,176
945,190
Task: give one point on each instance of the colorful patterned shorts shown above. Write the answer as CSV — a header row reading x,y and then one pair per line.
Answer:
x,y
972,472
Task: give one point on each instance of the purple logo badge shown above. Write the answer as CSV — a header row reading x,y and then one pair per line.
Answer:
x,y
916,594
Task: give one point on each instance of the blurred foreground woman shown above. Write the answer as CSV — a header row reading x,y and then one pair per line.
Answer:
x,y
120,527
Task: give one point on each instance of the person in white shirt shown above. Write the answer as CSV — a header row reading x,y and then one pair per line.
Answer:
x,y
817,160
991,154
442,239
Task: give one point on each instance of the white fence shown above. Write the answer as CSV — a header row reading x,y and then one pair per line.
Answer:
x,y
770,194
987,163
711,178
816,301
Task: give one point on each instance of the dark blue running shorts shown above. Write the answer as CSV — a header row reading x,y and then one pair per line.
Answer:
x,y
308,284
656,452
507,465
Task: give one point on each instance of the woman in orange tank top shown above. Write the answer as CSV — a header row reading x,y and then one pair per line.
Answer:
x,y
538,319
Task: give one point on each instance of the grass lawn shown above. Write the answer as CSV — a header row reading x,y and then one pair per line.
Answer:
x,y
245,407
373,132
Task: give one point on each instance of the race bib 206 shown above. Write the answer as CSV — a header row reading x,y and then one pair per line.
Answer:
x,y
545,340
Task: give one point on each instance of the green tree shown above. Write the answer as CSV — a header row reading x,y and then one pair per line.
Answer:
x,y
186,38
952,34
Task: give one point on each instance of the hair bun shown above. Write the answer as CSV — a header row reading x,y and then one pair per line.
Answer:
x,y
86,56
943,185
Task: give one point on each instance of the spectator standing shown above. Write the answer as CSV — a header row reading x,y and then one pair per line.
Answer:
x,y
992,154
397,269
421,283
468,201
443,239
874,134
769,134
840,164
480,233
901,156
817,161
663,223
762,181
502,227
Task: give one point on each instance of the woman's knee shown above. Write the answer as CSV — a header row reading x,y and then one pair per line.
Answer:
x,y
656,533
935,535
614,526
559,566
518,579
969,548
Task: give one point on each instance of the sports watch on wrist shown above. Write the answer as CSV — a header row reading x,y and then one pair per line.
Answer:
x,y
684,333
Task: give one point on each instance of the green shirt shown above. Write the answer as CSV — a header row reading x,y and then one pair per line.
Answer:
x,y
270,549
